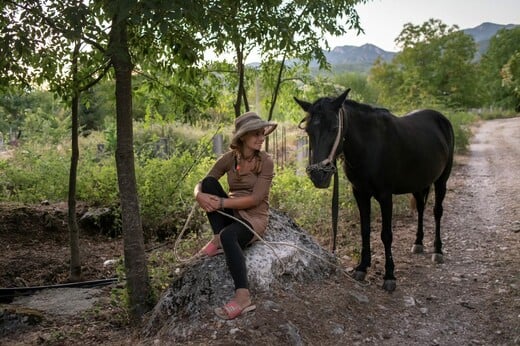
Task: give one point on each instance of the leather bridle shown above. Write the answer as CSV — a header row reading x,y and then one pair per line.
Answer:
x,y
328,165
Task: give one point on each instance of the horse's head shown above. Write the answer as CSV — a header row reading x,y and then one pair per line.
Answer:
x,y
323,125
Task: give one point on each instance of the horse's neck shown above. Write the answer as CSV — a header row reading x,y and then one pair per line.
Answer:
x,y
357,125
359,138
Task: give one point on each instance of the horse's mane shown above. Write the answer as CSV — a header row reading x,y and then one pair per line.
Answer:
x,y
363,107
351,105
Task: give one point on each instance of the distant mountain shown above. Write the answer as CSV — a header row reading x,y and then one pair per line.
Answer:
x,y
483,33
355,58
366,54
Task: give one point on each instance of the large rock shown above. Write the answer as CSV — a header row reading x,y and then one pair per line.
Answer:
x,y
206,284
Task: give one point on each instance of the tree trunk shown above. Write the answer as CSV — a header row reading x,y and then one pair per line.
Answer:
x,y
241,90
75,259
138,283
274,97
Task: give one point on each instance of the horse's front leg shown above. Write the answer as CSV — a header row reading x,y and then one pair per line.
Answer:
x,y
385,202
363,203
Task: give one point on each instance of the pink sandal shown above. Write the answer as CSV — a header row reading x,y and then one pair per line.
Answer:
x,y
232,310
211,250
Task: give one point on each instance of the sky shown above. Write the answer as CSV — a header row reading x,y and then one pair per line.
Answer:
x,y
383,20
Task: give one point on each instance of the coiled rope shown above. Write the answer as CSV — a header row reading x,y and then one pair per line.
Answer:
x,y
269,244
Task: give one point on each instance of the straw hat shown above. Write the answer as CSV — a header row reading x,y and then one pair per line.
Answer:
x,y
250,121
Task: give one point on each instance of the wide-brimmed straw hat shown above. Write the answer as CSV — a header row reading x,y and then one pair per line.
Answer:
x,y
250,121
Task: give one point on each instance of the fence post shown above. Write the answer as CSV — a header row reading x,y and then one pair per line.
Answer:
x,y
301,155
218,144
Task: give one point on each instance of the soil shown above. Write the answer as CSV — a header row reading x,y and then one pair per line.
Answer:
x,y
473,298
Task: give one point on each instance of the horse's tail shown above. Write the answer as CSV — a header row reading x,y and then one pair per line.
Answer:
x,y
450,138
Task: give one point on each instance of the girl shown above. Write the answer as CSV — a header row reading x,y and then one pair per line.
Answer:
x,y
249,173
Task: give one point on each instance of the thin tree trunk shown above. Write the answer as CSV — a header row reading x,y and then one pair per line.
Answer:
x,y
275,97
75,258
244,91
138,283
240,71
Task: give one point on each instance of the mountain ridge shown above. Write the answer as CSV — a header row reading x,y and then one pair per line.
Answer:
x,y
361,58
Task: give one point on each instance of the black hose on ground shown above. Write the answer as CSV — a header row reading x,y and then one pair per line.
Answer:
x,y
7,295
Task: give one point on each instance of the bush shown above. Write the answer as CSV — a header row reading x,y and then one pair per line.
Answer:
x,y
35,173
293,192
166,188
39,172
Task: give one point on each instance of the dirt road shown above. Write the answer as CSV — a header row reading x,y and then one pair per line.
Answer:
x,y
474,297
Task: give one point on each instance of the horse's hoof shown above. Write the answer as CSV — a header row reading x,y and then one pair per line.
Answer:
x,y
359,275
389,285
416,248
437,258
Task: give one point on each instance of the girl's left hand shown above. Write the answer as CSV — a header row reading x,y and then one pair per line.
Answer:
x,y
208,203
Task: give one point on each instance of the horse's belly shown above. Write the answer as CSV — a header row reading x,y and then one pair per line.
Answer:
x,y
407,183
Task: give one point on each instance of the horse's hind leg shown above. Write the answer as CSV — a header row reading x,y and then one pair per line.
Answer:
x,y
440,192
420,202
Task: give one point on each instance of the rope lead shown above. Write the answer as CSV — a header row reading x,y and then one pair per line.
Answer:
x,y
262,241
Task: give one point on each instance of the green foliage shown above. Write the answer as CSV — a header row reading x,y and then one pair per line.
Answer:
x,y
511,77
35,174
17,107
461,122
166,187
182,97
293,192
434,67
97,182
502,48
47,127
161,266
362,91
119,299
97,107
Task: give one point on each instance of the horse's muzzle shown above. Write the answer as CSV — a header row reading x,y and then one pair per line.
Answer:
x,y
321,174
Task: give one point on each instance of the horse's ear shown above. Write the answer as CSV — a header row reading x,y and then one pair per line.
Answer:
x,y
338,102
305,105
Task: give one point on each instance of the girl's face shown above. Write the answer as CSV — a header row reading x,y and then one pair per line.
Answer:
x,y
253,140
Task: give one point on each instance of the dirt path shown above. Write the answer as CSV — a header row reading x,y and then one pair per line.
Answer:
x,y
473,298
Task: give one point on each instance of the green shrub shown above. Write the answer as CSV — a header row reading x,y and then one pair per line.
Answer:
x,y
166,187
461,122
293,192
39,172
97,182
36,173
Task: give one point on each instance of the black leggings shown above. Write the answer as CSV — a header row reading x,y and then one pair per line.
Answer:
x,y
234,236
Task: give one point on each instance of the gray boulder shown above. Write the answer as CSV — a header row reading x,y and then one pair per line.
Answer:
x,y
290,255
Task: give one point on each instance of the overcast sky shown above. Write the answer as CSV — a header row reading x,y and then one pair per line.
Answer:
x,y
383,20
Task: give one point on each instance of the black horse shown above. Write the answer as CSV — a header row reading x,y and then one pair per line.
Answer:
x,y
382,155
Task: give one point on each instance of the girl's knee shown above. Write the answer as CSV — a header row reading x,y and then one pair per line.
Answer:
x,y
208,184
227,235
